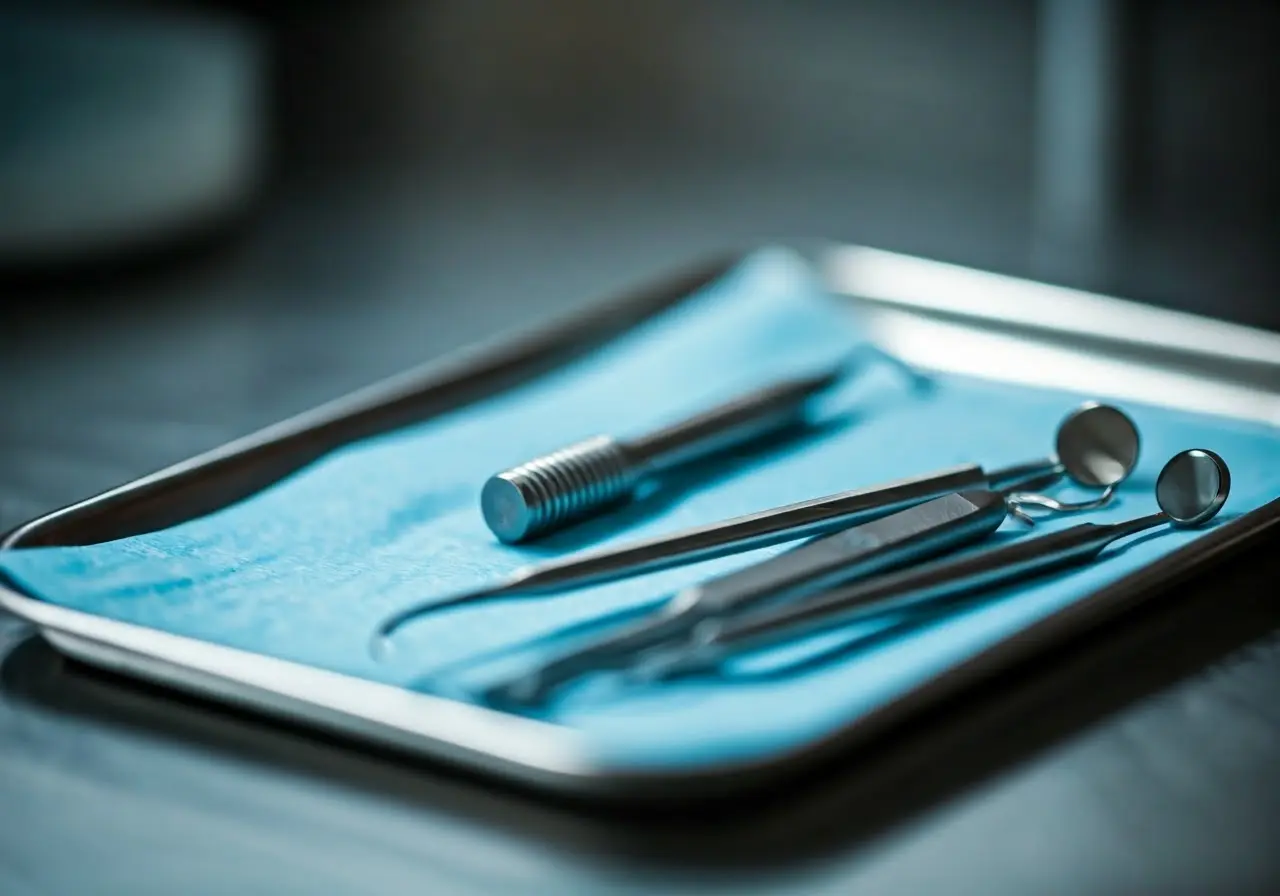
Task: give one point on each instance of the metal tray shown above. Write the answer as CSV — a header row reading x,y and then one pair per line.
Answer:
x,y
934,315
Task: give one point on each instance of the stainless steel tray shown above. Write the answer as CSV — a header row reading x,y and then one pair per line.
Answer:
x,y
934,315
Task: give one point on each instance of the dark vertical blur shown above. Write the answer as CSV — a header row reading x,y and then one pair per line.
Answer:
x,y
1113,144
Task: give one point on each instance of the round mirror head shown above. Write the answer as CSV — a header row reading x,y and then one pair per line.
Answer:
x,y
1098,445
1192,487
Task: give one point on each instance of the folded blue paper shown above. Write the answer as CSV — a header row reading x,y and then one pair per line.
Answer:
x,y
305,570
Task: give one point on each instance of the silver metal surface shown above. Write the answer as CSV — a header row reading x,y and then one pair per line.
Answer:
x,y
743,533
1193,487
1191,490
1108,461
558,488
925,530
595,475
1062,339
1019,501
1098,445
916,533
1013,329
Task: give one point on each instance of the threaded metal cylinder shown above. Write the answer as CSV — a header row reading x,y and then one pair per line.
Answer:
x,y
558,488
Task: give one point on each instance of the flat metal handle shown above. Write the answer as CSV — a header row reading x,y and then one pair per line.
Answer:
x,y
791,522
931,582
924,530
918,532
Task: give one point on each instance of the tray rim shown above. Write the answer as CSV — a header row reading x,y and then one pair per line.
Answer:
x,y
527,752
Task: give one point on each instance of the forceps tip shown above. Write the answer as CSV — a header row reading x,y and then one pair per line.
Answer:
x,y
380,645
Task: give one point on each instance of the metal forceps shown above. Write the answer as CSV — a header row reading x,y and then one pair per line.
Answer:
x,y
1191,489
917,533
1097,445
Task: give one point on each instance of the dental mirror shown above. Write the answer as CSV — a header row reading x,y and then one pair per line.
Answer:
x,y
1097,445
1192,487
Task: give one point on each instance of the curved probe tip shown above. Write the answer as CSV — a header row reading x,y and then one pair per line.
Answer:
x,y
397,621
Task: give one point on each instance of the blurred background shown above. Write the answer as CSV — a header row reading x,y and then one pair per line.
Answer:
x,y
213,214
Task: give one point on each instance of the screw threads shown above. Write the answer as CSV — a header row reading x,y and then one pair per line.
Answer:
x,y
557,488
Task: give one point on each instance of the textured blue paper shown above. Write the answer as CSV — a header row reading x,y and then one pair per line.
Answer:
x,y
305,570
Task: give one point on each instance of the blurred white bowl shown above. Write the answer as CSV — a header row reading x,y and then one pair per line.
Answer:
x,y
122,127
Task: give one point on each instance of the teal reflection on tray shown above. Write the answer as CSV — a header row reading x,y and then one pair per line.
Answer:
x,y
305,570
